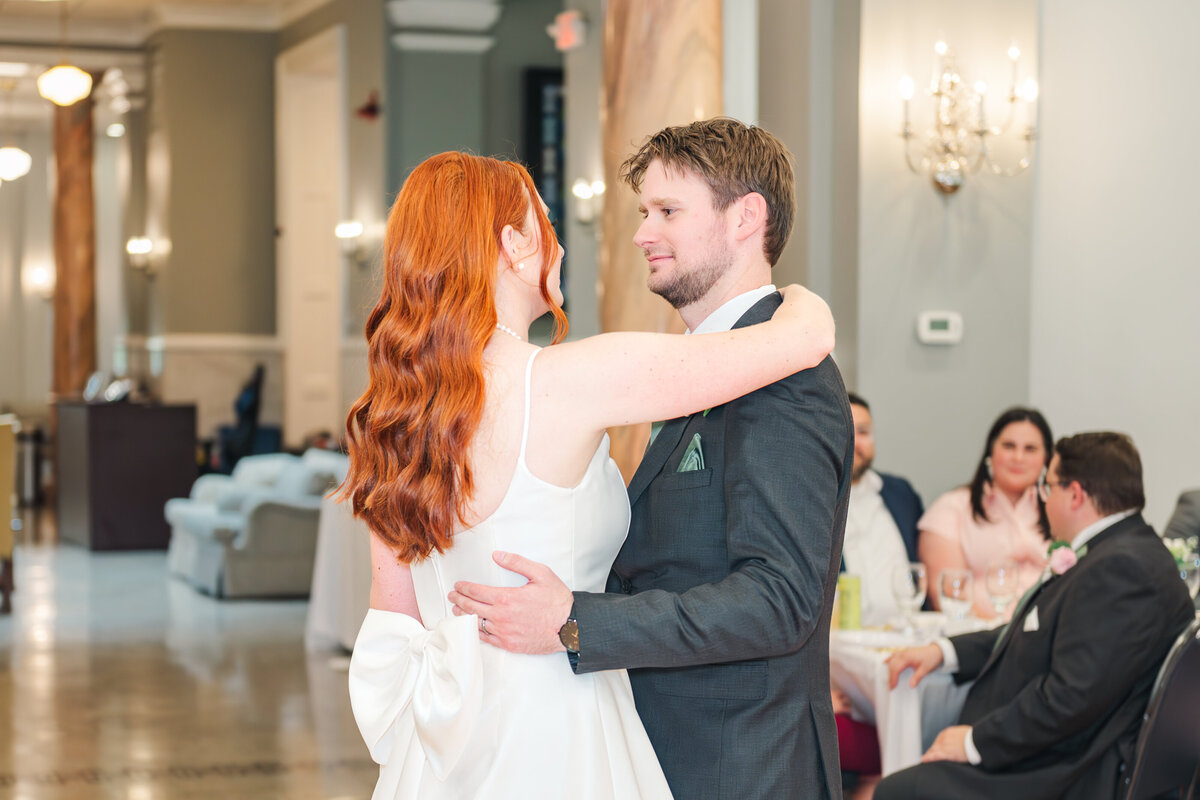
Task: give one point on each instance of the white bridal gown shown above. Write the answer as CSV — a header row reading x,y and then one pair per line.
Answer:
x,y
449,717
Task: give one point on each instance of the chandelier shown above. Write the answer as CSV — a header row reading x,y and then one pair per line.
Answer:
x,y
65,84
957,143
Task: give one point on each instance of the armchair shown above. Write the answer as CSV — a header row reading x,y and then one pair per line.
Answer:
x,y
253,533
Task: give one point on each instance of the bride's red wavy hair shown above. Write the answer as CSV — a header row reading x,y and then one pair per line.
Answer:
x,y
409,433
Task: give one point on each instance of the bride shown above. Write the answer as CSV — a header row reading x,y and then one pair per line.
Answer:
x,y
469,440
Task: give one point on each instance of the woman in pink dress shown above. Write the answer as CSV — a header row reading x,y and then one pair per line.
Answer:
x,y
998,517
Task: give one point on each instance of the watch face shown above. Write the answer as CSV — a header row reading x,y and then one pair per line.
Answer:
x,y
568,634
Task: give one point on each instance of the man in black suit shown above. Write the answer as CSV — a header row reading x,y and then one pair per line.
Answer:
x,y
1059,693
719,601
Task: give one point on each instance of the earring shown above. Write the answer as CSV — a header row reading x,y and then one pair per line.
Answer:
x,y
520,266
987,462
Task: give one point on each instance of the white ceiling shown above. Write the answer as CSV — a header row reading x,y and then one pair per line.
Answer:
x,y
103,34
128,22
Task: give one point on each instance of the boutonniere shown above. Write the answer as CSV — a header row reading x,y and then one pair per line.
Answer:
x,y
1061,557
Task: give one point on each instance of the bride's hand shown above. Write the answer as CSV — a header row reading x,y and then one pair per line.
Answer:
x,y
810,316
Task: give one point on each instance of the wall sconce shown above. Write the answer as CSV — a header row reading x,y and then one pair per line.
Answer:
x,y
957,143
350,234
586,195
39,280
139,248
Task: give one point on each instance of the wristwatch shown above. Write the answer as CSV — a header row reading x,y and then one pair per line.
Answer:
x,y
568,634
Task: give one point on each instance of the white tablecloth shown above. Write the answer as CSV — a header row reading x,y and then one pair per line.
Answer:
x,y
341,586
908,720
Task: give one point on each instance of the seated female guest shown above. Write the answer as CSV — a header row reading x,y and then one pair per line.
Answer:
x,y
998,517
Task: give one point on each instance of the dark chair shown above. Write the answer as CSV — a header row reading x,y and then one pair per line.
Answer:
x,y
1168,748
237,440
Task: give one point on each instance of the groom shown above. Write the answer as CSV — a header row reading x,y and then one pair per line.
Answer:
x,y
719,601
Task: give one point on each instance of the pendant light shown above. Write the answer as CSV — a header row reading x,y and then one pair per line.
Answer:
x,y
64,84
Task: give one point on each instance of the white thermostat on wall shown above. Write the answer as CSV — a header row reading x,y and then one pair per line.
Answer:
x,y
939,327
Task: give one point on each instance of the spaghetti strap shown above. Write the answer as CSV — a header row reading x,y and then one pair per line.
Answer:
x,y
528,387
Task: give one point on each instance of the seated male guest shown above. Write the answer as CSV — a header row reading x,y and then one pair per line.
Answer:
x,y
881,524
881,539
1059,693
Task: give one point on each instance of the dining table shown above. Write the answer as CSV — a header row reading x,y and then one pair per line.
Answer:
x,y
907,719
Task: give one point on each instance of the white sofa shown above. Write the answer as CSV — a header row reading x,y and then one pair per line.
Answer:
x,y
253,533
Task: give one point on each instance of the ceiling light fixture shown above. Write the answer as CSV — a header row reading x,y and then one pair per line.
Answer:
x,y
65,84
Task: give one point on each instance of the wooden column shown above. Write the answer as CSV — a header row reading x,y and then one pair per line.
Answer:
x,y
662,66
74,249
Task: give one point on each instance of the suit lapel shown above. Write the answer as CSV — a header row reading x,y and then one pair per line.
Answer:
x,y
1015,624
656,456
1128,524
660,450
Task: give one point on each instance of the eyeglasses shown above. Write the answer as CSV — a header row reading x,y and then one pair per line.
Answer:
x,y
1043,488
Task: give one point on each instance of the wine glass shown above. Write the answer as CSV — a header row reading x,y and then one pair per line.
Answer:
x,y
1001,585
1190,572
956,592
909,585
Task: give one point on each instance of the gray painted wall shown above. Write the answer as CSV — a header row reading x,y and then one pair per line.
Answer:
x,y
970,252
453,101
215,98
521,43
1116,267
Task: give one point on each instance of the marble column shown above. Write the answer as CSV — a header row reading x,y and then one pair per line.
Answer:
x,y
662,66
74,250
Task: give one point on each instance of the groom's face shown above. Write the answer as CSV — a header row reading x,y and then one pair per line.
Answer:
x,y
688,244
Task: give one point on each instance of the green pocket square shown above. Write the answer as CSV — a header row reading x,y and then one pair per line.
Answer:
x,y
693,457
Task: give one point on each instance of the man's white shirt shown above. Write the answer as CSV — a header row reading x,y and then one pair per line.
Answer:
x,y
873,548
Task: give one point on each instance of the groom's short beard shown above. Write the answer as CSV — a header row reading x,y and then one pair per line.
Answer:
x,y
687,288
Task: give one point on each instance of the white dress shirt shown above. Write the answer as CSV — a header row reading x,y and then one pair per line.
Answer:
x,y
731,310
873,548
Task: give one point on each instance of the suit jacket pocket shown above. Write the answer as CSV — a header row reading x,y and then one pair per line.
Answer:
x,y
693,479
740,680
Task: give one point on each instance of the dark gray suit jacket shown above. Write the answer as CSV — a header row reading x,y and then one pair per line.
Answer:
x,y
719,601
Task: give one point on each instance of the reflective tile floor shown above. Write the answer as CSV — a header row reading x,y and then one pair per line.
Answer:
x,y
117,682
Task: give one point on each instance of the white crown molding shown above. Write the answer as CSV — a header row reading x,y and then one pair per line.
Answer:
x,y
203,342
224,17
474,16
44,31
442,42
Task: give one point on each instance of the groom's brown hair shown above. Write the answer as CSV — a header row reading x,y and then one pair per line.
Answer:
x,y
734,160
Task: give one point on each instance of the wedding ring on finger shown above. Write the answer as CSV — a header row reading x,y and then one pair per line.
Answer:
x,y
483,624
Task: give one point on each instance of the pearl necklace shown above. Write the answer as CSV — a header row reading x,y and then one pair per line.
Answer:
x,y
502,327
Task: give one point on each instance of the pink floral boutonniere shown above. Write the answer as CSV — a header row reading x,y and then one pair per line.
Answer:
x,y
1062,557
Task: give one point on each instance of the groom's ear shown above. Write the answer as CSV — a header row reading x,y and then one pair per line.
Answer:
x,y
751,212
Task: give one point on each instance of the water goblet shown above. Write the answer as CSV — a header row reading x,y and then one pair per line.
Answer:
x,y
909,586
1001,585
956,592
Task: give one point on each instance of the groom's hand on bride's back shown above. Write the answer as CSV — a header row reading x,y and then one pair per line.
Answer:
x,y
522,619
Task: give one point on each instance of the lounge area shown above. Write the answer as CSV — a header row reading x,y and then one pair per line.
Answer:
x,y
190,253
